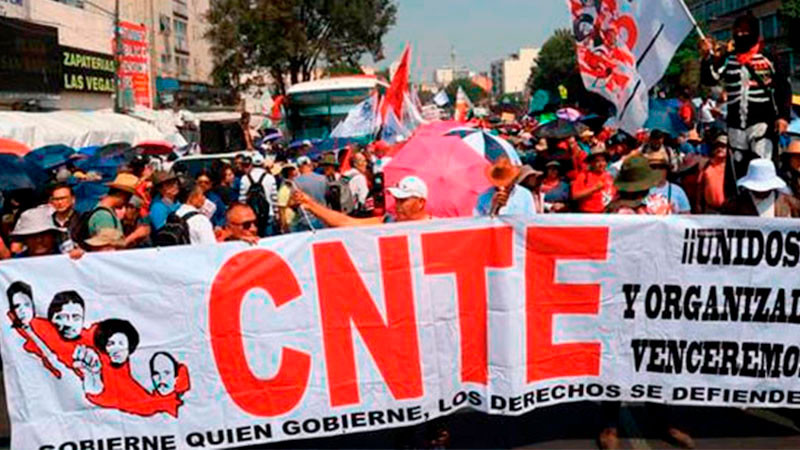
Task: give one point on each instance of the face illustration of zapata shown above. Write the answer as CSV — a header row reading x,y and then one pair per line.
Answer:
x,y
163,370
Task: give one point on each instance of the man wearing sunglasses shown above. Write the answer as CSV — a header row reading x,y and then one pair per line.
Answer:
x,y
240,225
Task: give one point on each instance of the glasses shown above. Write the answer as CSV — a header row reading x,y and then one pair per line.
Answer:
x,y
246,224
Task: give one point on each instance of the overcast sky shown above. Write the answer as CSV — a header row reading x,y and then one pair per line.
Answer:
x,y
480,30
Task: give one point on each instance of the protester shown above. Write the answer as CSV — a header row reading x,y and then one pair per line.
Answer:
x,y
258,190
213,207
593,189
106,240
37,233
756,114
665,198
531,179
224,188
766,195
555,189
104,214
247,131
504,197
791,167
201,231
357,181
380,159
240,225
712,192
285,213
410,195
165,201
62,201
633,185
314,185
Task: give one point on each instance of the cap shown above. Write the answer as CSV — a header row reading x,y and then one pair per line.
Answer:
x,y
410,186
303,160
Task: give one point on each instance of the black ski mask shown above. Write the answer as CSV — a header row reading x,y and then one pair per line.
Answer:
x,y
744,42
746,31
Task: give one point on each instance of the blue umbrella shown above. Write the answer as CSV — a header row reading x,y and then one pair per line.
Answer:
x,y
15,173
794,126
117,149
490,147
50,156
88,151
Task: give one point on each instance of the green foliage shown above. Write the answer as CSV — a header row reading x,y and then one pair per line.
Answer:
x,y
789,13
342,70
291,38
475,93
683,72
556,65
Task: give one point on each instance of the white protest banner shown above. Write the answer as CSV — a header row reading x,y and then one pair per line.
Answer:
x,y
343,331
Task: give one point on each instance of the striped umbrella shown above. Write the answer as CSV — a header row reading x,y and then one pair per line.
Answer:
x,y
490,147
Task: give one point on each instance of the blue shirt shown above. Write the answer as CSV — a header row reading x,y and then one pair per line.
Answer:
x,y
520,203
218,219
160,210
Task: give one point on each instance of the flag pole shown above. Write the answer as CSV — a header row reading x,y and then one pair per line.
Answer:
x,y
694,22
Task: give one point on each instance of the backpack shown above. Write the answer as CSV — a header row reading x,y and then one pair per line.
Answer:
x,y
339,196
82,231
175,231
258,201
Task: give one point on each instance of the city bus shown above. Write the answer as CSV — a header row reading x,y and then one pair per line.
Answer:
x,y
314,108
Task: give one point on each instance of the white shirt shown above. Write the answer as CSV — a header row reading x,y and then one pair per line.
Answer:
x,y
706,115
268,183
358,185
765,207
200,229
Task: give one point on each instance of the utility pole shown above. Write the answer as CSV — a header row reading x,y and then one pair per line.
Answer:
x,y
118,58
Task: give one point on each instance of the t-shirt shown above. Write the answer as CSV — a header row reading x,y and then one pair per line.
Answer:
x,y
599,200
520,203
284,194
668,199
200,229
314,185
160,209
103,218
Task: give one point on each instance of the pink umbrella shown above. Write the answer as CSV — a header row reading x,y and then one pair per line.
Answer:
x,y
454,173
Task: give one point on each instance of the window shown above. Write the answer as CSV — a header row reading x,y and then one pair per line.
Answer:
x,y
182,64
769,26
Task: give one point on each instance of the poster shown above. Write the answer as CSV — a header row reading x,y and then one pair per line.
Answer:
x,y
343,331
134,69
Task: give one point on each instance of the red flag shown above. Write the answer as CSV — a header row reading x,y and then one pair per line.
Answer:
x,y
399,87
276,108
346,162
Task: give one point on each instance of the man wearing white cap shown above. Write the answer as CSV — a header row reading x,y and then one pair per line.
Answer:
x,y
765,193
410,194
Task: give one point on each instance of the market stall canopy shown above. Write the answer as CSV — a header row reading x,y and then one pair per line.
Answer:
x,y
75,129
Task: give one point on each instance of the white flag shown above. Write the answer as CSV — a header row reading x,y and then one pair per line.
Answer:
x,y
441,98
362,120
393,130
624,47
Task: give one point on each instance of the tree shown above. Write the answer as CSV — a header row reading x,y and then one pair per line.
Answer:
x,y
292,38
789,13
475,93
683,72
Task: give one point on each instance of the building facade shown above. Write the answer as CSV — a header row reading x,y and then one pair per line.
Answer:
x,y
510,75
719,16
174,59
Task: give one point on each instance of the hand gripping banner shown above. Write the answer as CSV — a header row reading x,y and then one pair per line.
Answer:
x,y
344,331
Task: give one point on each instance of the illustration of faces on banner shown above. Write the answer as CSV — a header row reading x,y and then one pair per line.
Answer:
x,y
99,355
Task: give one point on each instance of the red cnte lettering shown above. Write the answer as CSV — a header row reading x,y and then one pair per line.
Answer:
x,y
545,298
261,397
468,254
345,301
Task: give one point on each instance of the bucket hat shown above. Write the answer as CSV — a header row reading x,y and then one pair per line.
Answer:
x,y
636,175
761,177
35,221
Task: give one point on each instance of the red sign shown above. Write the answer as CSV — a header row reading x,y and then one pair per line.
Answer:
x,y
134,65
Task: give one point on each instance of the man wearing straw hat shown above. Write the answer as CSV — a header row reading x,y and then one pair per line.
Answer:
x,y
104,214
505,197
593,189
